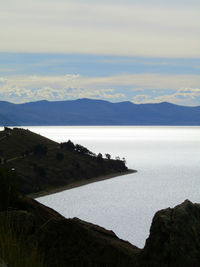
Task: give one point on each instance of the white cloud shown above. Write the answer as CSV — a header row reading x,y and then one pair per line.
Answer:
x,y
135,81
32,88
183,96
182,88
100,28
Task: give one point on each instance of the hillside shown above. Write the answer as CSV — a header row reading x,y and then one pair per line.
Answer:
x,y
174,238
96,112
43,165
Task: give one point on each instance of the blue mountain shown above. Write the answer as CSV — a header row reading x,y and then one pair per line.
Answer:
x,y
96,112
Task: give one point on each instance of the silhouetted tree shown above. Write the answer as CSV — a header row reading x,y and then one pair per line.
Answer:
x,y
100,157
124,160
108,156
83,150
68,145
6,128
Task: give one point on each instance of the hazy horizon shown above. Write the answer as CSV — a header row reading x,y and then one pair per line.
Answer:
x,y
138,51
45,100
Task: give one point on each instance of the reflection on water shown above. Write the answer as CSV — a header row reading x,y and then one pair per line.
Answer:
x,y
168,164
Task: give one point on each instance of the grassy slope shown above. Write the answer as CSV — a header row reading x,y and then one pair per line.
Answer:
x,y
40,172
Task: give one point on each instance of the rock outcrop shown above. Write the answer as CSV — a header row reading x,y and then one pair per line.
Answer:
x,y
174,239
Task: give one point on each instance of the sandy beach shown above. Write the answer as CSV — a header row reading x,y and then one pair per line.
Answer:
x,y
79,183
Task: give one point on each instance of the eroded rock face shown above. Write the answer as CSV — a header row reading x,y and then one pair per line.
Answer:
x,y
174,237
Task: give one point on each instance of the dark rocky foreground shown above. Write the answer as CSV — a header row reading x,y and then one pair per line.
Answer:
x,y
174,239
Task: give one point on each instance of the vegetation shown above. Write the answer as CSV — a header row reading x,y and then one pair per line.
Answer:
x,y
41,164
32,235
68,145
108,156
13,248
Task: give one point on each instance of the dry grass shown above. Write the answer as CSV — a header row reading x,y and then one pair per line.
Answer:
x,y
13,250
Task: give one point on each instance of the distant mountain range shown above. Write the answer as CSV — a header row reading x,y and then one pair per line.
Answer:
x,y
96,112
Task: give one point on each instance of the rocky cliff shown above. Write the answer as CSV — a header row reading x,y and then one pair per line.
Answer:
x,y
174,239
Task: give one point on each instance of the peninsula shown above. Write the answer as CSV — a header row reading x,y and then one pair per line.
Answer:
x,y
44,166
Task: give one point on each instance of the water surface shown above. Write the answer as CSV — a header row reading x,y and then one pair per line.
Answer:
x,y
168,164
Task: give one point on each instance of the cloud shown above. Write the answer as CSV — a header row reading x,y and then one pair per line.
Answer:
x,y
146,81
142,88
183,96
32,88
91,27
133,81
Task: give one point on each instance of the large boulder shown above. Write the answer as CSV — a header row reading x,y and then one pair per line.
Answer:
x,y
174,238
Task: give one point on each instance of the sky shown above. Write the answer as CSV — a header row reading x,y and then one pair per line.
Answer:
x,y
123,50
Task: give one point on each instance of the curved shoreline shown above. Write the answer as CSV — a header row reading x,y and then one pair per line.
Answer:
x,y
78,184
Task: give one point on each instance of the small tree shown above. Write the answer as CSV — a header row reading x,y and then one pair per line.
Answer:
x,y
100,157
68,145
108,156
6,128
83,150
124,160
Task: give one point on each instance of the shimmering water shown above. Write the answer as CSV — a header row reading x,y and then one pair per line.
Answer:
x,y
168,164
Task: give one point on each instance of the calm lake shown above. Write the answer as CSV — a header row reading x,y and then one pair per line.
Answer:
x,y
168,164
